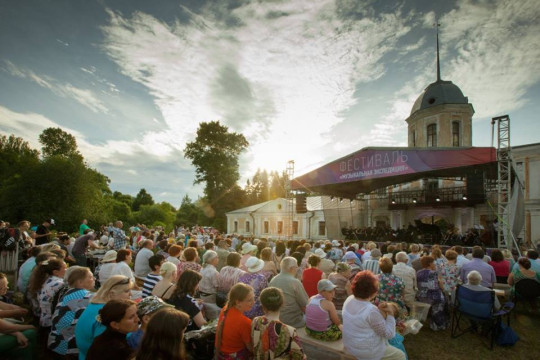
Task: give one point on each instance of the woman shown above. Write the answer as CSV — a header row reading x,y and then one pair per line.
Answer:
x,y
123,259
233,336
118,287
273,339
322,321
228,276
269,269
165,287
391,287
210,277
280,253
430,291
340,278
248,250
257,281
311,276
500,265
146,309
509,257
523,271
49,279
108,263
366,328
62,336
436,253
449,274
175,251
191,261
183,298
120,318
163,338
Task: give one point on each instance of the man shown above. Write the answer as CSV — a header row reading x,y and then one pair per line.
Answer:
x,y
84,226
408,275
153,276
80,246
477,263
43,235
295,296
119,236
373,263
142,268
461,259
474,280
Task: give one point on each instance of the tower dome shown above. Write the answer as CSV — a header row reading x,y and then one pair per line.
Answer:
x,y
439,93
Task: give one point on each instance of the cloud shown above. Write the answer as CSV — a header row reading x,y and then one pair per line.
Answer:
x,y
82,96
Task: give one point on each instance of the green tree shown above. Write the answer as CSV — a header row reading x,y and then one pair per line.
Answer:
x,y
15,156
214,153
142,198
151,214
188,213
57,142
277,186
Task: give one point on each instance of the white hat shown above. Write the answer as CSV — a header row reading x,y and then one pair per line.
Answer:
x,y
248,248
320,253
254,264
325,285
335,243
109,256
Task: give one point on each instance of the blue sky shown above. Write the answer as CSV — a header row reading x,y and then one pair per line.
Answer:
x,y
303,80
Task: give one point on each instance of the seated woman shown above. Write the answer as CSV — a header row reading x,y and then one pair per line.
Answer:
x,y
119,317
449,274
145,311
269,269
163,338
366,328
228,276
311,276
191,261
108,263
500,265
430,291
233,336
165,287
523,271
391,287
257,281
183,298
273,339
340,278
322,321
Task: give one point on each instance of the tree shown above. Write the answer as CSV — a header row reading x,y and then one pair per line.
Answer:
x,y
214,153
15,156
57,142
142,198
188,213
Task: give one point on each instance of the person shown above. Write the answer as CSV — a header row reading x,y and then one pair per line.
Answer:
x,y
210,277
82,243
340,278
49,279
70,307
108,263
372,264
175,251
461,259
120,318
233,335
223,252
296,298
83,227
165,287
366,327
26,269
532,255
146,309
9,310
154,276
391,287
183,298
477,263
269,269
279,253
141,266
88,328
311,276
163,338
272,339
474,280
322,321
449,273
123,259
408,275
119,236
191,261
440,260
414,254
500,265
430,292
257,281
248,250
228,276
524,271
43,234
17,341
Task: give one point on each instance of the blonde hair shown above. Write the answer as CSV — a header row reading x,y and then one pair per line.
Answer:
x,y
167,268
238,293
116,285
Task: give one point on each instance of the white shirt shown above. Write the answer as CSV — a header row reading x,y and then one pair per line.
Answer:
x,y
105,272
122,268
141,263
408,275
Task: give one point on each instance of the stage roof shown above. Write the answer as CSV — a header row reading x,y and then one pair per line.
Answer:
x,y
372,168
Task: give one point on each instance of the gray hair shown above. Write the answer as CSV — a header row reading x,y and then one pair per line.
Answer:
x,y
402,257
474,278
287,264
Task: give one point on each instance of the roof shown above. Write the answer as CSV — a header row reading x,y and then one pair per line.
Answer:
x,y
374,167
438,93
250,208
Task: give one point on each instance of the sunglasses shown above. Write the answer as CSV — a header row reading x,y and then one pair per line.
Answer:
x,y
124,281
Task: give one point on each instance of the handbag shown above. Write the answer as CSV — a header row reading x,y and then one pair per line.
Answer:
x,y
506,336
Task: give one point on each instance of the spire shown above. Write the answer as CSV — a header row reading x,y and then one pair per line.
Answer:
x,y
438,61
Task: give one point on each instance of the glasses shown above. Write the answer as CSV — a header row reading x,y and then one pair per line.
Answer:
x,y
124,281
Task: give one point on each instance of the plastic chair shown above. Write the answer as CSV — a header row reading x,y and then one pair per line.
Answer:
x,y
527,289
477,307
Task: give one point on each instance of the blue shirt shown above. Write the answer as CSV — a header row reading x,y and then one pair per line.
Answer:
x,y
486,270
87,329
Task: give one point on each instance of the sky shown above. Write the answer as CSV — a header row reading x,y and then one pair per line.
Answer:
x,y
303,80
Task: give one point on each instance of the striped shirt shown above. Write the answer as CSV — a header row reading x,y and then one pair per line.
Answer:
x,y
150,282
373,266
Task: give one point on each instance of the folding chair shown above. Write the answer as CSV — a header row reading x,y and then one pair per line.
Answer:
x,y
477,307
526,289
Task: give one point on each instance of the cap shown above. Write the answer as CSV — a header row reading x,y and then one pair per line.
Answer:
x,y
325,285
149,305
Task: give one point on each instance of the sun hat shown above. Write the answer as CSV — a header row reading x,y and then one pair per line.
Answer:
x,y
149,305
254,264
325,285
209,255
320,253
342,267
248,248
335,243
349,255
109,256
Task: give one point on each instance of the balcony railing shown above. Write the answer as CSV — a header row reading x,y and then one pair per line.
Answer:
x,y
452,196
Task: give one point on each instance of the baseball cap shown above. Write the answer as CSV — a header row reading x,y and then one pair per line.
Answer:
x,y
325,285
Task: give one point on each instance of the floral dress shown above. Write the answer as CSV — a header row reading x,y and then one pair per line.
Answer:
x,y
187,265
450,277
258,282
429,292
390,289
272,339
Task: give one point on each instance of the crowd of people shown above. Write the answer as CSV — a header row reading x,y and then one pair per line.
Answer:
x,y
151,287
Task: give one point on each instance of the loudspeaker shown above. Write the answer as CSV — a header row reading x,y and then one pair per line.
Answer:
x,y
475,186
301,206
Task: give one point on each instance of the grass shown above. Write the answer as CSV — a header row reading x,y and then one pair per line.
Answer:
x,y
439,345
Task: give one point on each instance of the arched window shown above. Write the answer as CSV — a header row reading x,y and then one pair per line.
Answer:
x,y
432,135
455,133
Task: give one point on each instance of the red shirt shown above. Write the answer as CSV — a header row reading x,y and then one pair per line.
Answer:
x,y
310,278
502,268
236,331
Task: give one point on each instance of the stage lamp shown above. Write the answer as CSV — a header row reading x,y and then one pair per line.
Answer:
x,y
438,199
464,197
414,201
331,198
393,201
340,199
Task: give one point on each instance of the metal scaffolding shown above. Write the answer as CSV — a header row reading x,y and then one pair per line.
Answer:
x,y
290,199
504,186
